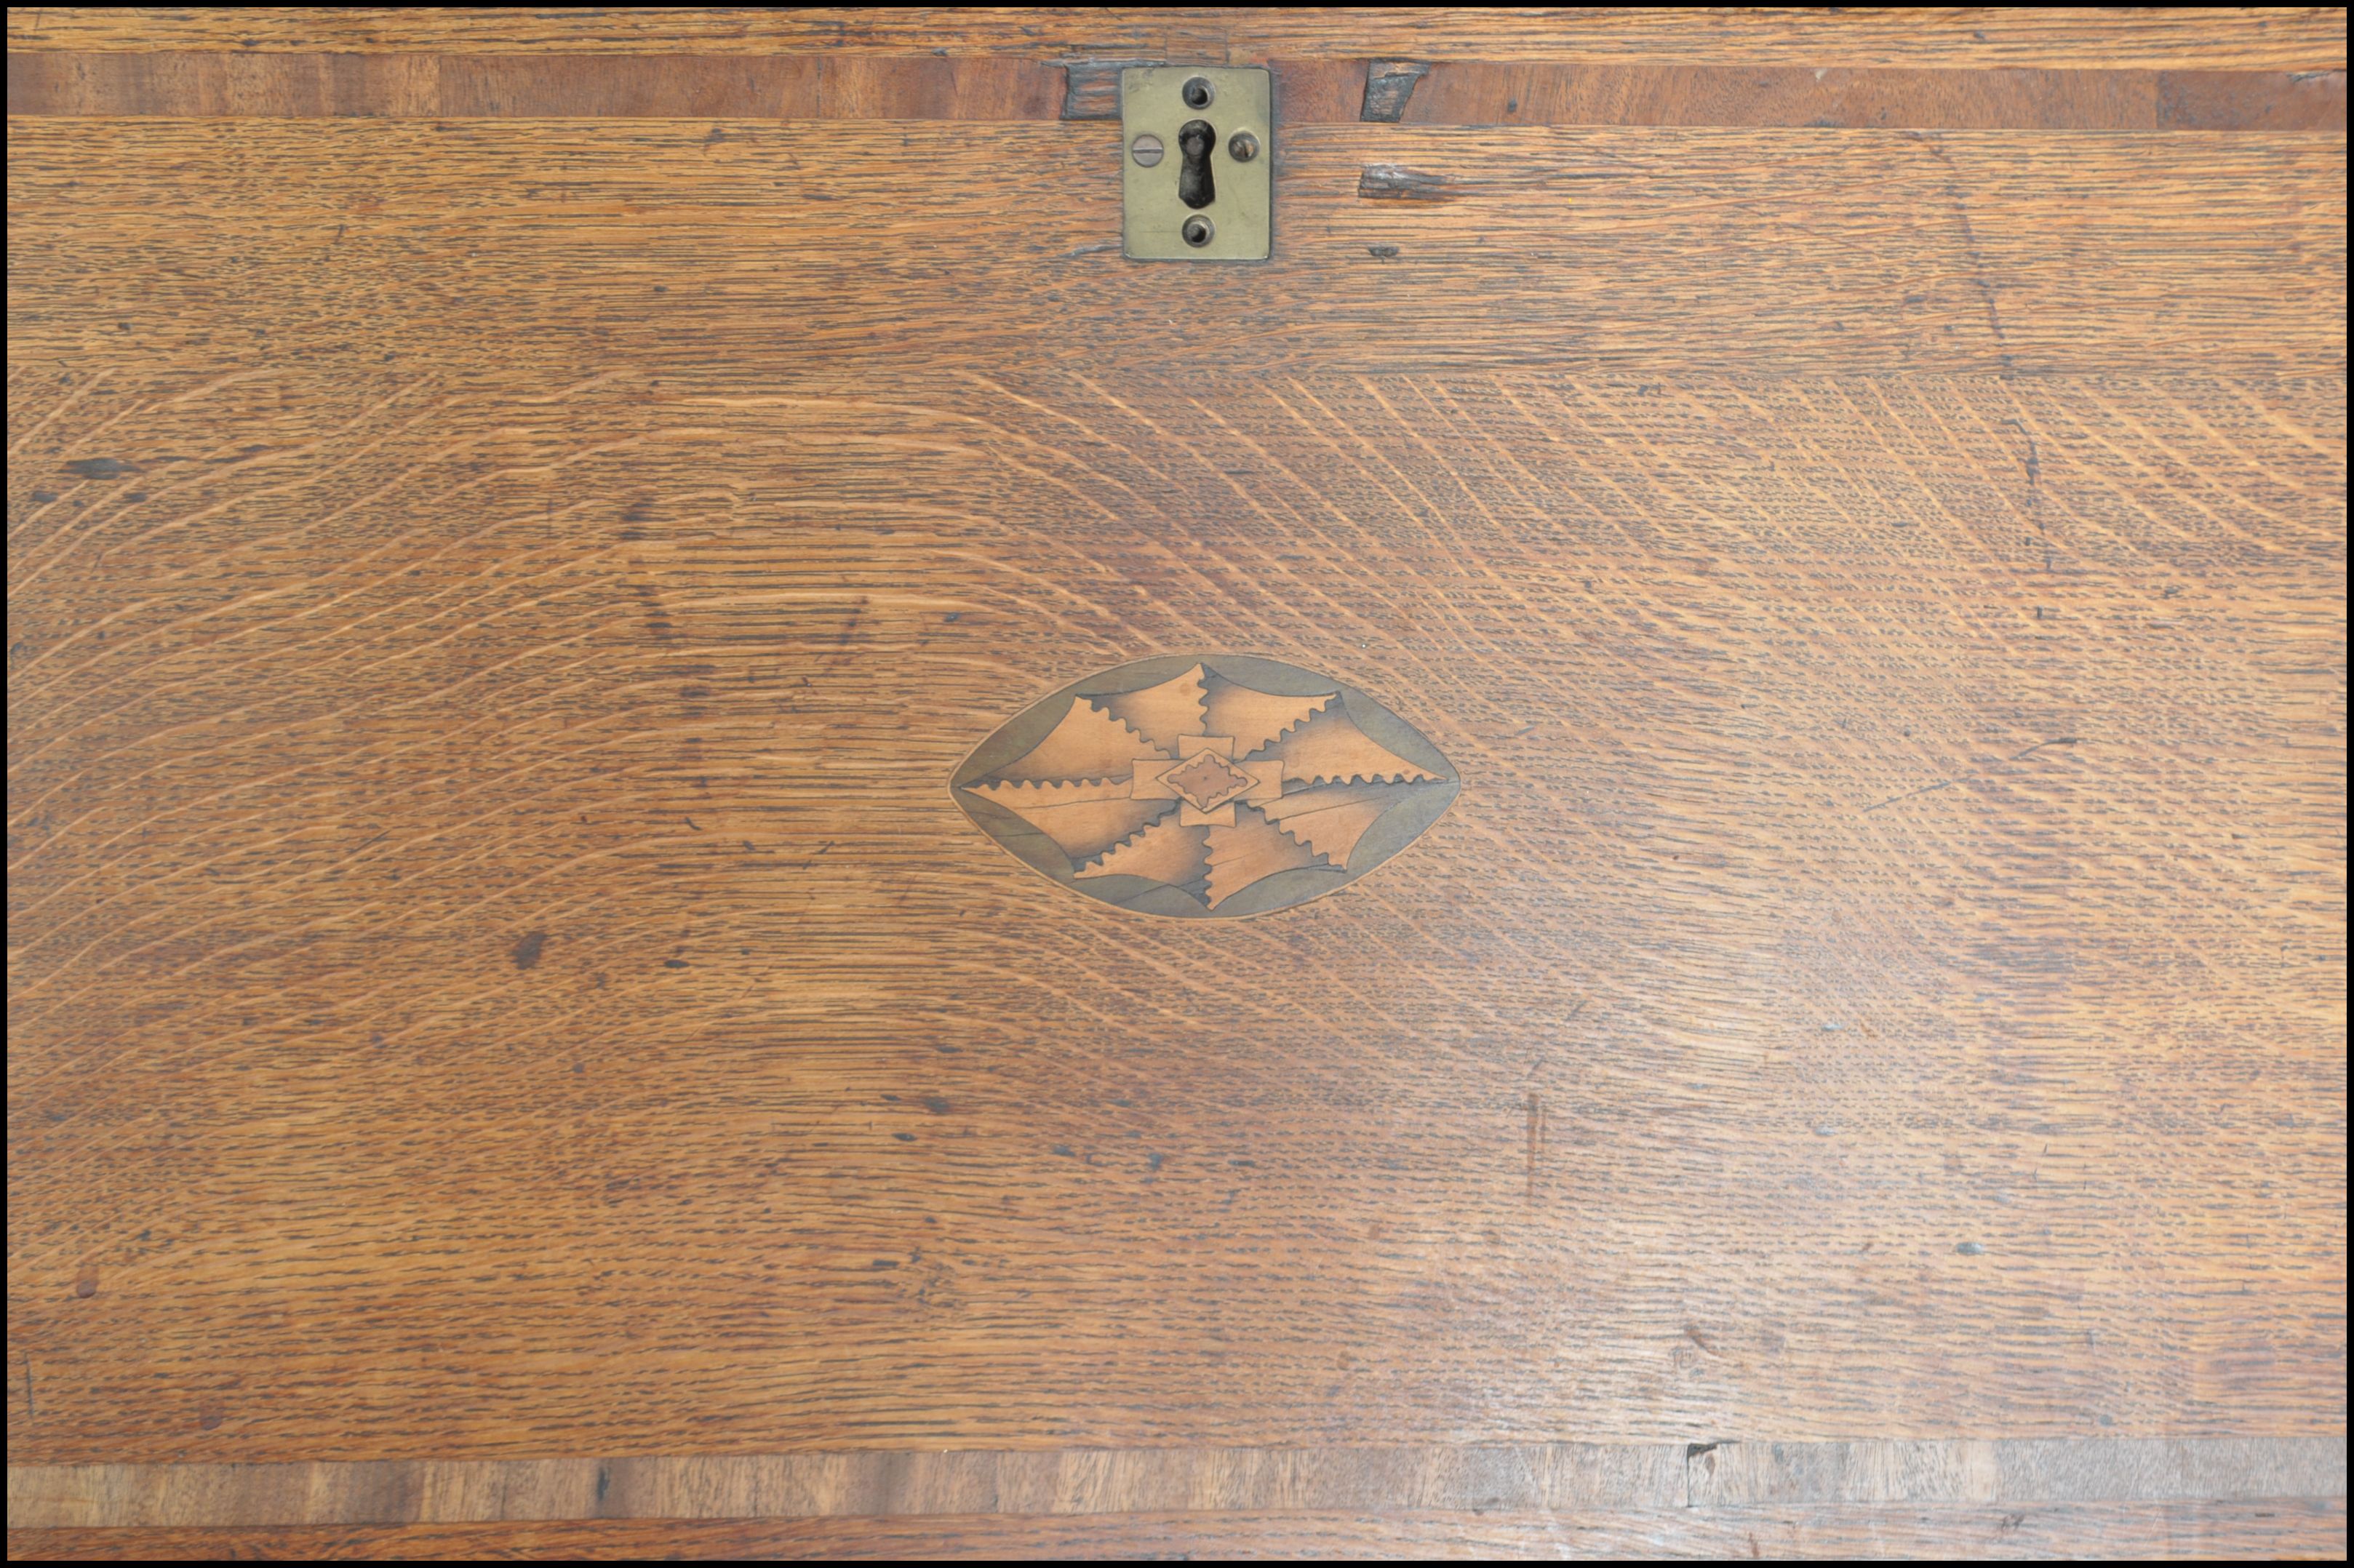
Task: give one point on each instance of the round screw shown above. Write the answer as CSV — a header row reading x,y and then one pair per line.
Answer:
x,y
1197,92
1198,231
1146,149
1243,148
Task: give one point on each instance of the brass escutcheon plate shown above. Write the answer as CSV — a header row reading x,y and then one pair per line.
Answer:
x,y
1218,785
1154,215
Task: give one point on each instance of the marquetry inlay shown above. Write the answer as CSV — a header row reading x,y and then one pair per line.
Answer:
x,y
1219,785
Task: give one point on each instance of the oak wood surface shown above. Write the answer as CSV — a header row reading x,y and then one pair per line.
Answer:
x,y
411,675
504,1005
585,248
2211,37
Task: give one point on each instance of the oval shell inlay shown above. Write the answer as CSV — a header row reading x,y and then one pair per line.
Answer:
x,y
1216,785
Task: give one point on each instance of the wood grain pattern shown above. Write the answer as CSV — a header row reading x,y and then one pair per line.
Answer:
x,y
1561,1479
785,87
333,691
988,88
2213,38
1478,93
584,248
509,1028
2262,1528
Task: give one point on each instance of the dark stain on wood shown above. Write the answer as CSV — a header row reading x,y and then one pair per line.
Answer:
x,y
526,951
1389,85
1390,182
1091,88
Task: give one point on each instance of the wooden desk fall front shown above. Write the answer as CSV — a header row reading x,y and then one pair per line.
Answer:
x,y
535,539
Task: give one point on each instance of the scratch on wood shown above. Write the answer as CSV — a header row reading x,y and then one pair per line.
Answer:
x,y
1973,773
1536,1141
1970,247
1924,790
2034,466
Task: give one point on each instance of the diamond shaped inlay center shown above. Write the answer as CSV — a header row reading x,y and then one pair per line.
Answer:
x,y
1206,780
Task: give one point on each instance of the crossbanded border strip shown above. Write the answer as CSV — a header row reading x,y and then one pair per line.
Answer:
x,y
203,84
1527,1477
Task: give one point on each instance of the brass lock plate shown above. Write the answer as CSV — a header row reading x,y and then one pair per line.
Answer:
x,y
1196,149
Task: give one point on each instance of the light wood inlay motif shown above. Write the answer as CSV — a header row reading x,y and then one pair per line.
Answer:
x,y
1189,787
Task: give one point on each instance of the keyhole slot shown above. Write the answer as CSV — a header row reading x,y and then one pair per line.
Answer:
x,y
1195,187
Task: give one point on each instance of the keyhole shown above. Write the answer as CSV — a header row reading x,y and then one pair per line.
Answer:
x,y
1195,189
